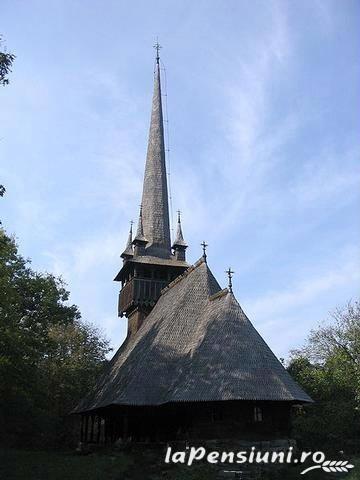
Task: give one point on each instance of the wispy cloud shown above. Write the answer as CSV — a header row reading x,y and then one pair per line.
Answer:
x,y
285,315
306,290
327,178
268,176
89,267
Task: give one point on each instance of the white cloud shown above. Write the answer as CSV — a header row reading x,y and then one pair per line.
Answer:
x,y
327,177
83,116
306,290
249,99
285,315
82,258
88,268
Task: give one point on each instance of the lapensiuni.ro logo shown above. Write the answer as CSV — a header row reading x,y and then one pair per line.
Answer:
x,y
253,456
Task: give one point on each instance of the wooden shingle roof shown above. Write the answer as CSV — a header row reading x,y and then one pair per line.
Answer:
x,y
155,208
195,345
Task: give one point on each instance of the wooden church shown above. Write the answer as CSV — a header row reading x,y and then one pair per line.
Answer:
x,y
192,365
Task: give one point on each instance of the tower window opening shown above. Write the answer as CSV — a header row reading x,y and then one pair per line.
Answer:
x,y
146,273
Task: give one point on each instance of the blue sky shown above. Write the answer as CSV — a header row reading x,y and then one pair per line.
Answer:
x,y
263,100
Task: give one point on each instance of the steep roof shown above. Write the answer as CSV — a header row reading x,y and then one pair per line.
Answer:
x,y
128,252
196,345
179,239
155,194
139,237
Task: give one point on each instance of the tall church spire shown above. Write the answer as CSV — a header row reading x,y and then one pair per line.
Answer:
x,y
150,265
155,213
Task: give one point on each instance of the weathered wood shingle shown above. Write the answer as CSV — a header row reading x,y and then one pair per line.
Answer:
x,y
155,195
196,345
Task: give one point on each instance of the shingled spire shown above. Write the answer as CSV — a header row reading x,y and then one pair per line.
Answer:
x,y
151,265
128,252
140,241
179,244
155,193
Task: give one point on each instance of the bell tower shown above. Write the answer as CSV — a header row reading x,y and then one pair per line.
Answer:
x,y
149,264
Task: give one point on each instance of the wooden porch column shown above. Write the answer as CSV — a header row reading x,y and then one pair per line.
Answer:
x,y
86,428
82,429
92,428
98,433
106,430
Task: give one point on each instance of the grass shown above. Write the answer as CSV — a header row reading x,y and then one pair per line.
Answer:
x,y
53,465
355,474
43,465
131,465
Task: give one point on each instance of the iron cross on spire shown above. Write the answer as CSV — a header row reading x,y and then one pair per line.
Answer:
x,y
157,47
204,245
230,273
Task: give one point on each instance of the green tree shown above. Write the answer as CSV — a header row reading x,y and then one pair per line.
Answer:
x,y
49,357
6,61
328,367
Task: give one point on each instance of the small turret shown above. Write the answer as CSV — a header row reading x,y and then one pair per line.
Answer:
x,y
179,245
128,252
139,241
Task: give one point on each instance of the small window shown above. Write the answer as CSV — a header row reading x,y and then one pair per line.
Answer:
x,y
258,415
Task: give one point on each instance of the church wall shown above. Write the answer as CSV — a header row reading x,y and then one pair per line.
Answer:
x,y
197,421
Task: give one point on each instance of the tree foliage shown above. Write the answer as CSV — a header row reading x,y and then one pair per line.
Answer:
x,y
6,61
49,357
328,367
